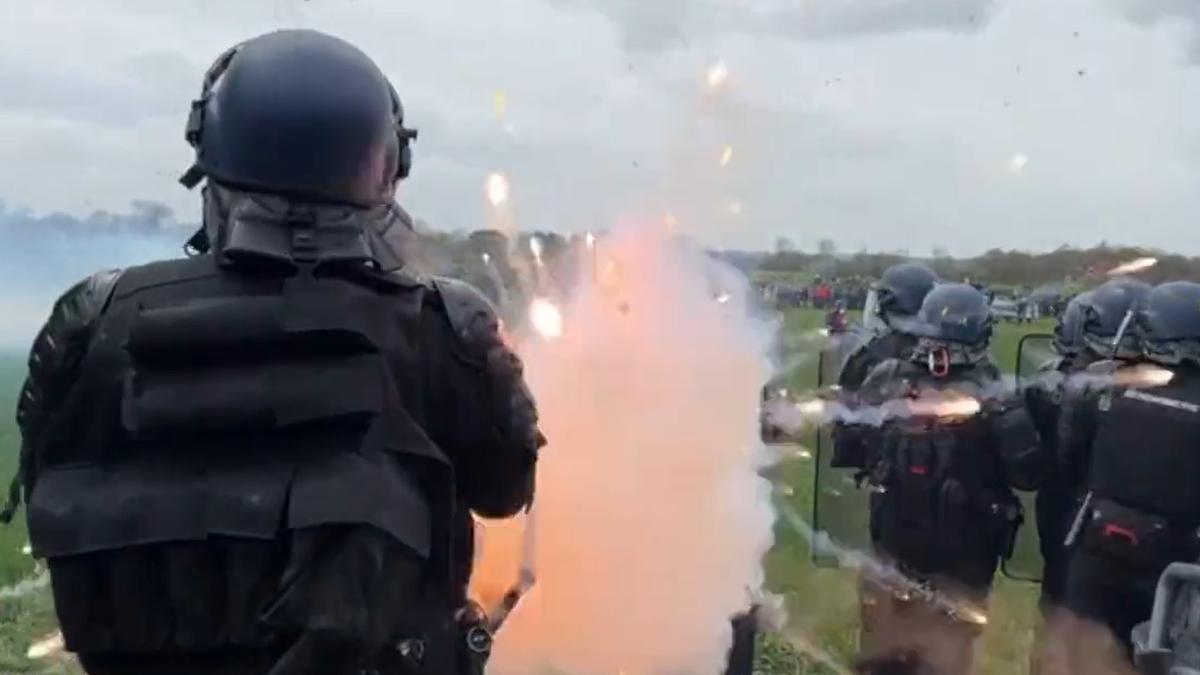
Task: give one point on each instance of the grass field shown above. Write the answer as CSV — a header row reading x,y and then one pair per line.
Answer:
x,y
821,602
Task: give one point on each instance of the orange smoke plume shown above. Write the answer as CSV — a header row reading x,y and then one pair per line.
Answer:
x,y
651,517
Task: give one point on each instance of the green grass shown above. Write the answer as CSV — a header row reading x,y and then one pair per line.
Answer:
x,y
27,618
13,564
822,602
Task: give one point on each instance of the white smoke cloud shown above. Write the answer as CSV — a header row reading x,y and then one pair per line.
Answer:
x,y
652,518
44,254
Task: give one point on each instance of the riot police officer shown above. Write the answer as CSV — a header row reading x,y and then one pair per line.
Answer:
x,y
898,298
1056,498
1084,335
941,469
259,459
1136,436
1043,397
1110,335
890,320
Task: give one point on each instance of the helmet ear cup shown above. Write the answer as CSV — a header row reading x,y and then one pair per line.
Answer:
x,y
404,137
195,123
404,166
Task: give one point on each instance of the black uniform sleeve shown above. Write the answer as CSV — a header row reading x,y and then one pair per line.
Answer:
x,y
858,365
1043,399
1016,441
57,351
853,442
1077,422
486,419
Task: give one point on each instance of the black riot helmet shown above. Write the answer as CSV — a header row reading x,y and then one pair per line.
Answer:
x,y
300,114
1170,323
1108,313
901,290
1068,332
954,327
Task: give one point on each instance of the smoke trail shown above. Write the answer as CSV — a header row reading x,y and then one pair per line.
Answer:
x,y
42,255
652,519
883,574
25,586
796,417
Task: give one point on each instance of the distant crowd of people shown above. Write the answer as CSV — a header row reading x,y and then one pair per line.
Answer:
x,y
820,294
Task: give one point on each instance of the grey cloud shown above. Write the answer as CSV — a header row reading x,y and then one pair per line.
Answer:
x,y
837,18
663,24
889,143
1152,12
145,85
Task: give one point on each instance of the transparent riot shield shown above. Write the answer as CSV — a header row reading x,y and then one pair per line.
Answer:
x,y
840,507
1034,353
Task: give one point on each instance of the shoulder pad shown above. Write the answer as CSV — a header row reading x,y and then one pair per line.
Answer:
x,y
471,314
87,300
877,347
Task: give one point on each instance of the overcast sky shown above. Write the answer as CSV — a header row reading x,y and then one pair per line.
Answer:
x,y
887,124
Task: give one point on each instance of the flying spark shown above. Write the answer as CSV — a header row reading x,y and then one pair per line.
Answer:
x,y
963,407
1143,377
497,189
671,222
546,318
726,156
718,73
535,247
590,239
1133,266
1017,163
723,298
972,614
813,408
487,259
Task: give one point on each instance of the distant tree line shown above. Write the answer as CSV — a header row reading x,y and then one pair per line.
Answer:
x,y
995,267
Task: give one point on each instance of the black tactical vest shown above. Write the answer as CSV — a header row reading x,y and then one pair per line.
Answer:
x,y
940,502
231,434
1145,454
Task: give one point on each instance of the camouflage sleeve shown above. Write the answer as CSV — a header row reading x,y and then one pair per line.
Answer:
x,y
57,351
488,418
